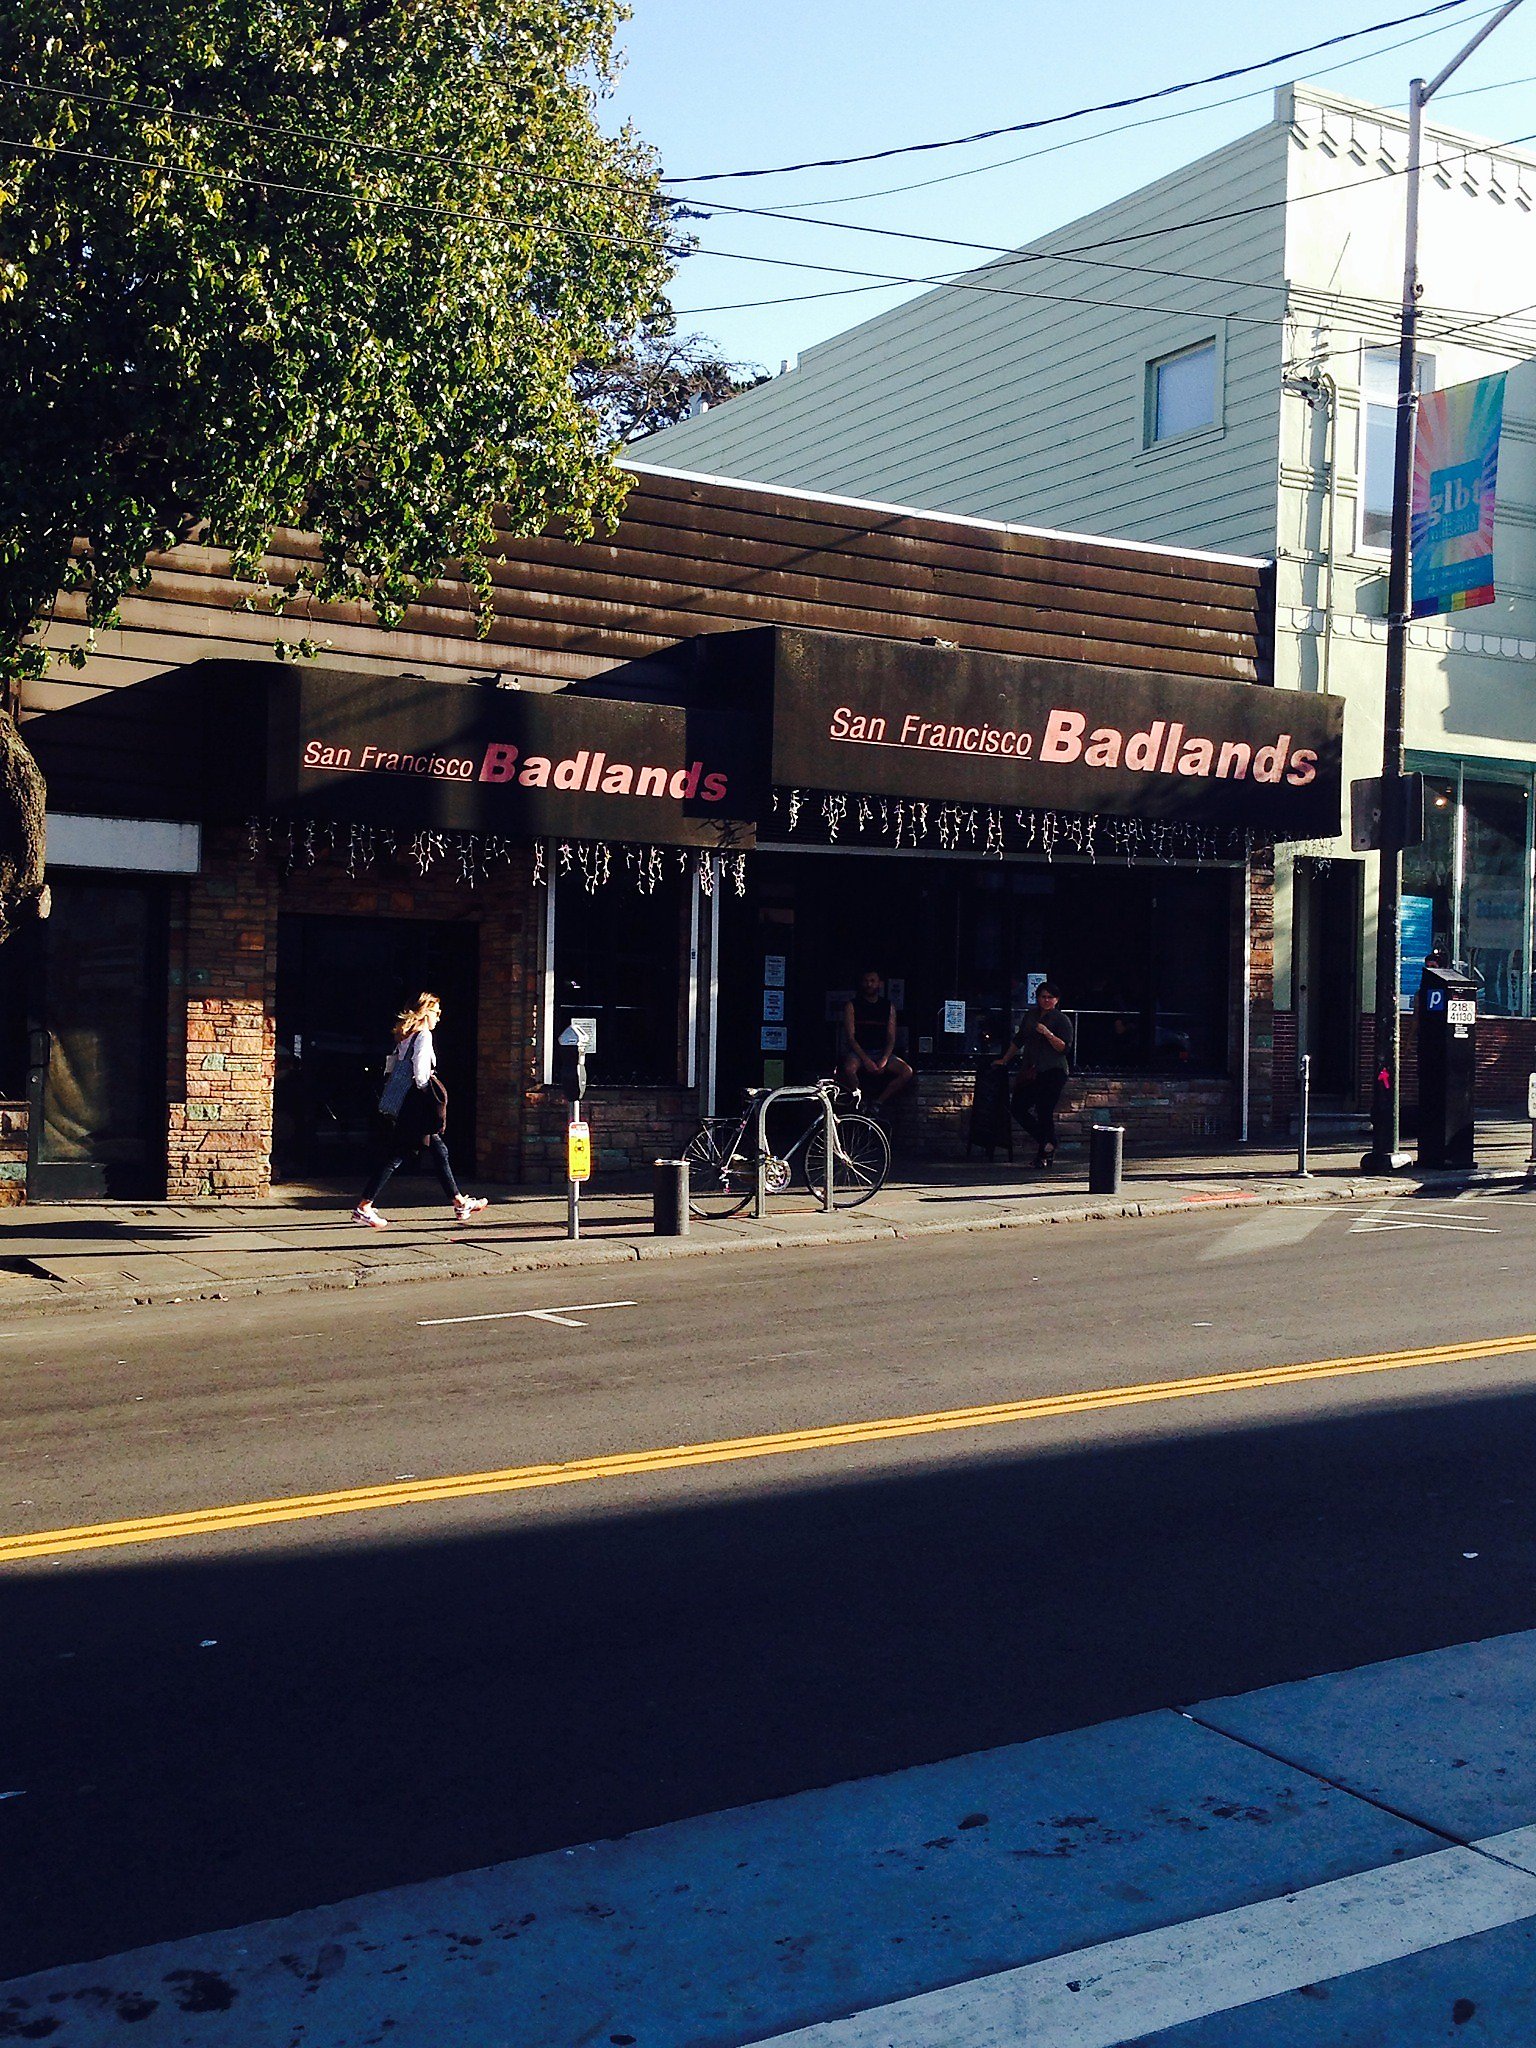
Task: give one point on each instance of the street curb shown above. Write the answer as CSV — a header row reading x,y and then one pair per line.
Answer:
x,y
562,1256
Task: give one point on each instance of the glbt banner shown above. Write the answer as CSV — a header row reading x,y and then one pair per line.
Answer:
x,y
1455,469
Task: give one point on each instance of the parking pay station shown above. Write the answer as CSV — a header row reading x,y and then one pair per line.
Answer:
x,y
575,1042
1447,1065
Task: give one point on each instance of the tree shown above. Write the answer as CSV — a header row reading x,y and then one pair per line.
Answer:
x,y
653,377
325,264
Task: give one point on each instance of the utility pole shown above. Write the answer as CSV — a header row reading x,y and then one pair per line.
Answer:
x,y
1386,1154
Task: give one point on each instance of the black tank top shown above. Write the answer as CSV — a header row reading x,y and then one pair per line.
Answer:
x,y
870,1016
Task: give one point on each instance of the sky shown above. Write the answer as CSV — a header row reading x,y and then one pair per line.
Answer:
x,y
718,86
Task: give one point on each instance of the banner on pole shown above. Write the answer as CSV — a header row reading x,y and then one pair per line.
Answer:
x,y
1455,469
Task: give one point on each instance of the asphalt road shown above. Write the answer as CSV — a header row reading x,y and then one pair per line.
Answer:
x,y
199,1732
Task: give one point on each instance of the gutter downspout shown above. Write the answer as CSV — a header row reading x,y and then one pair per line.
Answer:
x,y
1330,387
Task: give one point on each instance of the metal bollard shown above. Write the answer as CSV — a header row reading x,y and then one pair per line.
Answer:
x,y
669,1198
1303,1114
1106,1151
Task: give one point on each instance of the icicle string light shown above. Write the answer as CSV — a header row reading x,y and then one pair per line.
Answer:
x,y
833,818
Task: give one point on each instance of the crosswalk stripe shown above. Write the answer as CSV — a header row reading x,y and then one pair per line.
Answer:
x,y
1122,1991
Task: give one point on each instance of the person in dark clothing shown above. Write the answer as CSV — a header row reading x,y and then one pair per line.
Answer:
x,y
1042,1046
870,1060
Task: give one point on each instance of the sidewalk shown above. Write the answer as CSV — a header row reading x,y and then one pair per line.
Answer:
x,y
93,1255
1345,1858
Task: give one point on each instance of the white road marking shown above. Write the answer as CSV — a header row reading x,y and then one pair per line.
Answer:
x,y
1122,1990
566,1316
1371,1227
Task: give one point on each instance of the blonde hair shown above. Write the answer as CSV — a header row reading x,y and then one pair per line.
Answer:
x,y
421,1012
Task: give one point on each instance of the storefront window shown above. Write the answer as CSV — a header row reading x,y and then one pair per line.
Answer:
x,y
1429,875
621,958
1493,892
1142,957
1466,888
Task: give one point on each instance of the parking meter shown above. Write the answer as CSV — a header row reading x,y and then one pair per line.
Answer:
x,y
575,1042
1447,1047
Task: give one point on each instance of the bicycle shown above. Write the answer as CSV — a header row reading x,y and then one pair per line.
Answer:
x,y
722,1156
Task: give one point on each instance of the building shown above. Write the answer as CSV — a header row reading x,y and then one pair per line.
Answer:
x,y
1211,362
699,772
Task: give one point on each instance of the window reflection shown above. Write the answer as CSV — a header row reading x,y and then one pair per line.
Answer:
x,y
1493,893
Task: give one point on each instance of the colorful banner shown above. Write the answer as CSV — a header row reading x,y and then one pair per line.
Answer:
x,y
1455,469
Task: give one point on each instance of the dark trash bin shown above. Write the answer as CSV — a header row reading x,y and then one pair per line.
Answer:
x,y
1106,1156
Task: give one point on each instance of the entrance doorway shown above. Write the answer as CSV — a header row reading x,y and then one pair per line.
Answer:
x,y
341,981
97,1054
1328,973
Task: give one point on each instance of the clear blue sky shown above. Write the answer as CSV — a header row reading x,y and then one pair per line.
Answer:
x,y
717,85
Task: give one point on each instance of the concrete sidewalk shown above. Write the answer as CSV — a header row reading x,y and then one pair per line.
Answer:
x,y
1345,1859
89,1255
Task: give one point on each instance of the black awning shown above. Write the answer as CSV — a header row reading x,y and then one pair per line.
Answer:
x,y
953,726
684,747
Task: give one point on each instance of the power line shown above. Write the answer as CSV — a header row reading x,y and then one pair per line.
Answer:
x,y
1236,99
1086,251
968,281
418,210
829,163
714,208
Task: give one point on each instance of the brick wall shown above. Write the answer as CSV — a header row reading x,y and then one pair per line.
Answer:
x,y
1261,989
1158,1111
630,1128
13,1153
219,1124
1286,1051
1506,1057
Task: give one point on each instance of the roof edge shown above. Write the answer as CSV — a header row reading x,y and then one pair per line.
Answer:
x,y
967,519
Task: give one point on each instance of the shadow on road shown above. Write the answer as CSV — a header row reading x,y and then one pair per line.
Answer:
x,y
201,1743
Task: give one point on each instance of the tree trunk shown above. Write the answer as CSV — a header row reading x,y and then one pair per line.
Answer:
x,y
23,893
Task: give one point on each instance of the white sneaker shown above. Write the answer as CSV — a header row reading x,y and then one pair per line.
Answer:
x,y
365,1212
467,1206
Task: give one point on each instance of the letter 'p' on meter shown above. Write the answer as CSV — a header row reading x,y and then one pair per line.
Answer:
x,y
578,1151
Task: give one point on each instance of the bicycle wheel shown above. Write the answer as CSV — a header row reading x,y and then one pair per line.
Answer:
x,y
720,1176
863,1161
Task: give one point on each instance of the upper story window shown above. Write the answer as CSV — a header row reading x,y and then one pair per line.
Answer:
x,y
1181,393
1378,439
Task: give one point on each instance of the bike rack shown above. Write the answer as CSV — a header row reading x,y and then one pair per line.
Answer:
x,y
829,1130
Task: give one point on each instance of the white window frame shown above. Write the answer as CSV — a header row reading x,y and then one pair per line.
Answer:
x,y
1212,338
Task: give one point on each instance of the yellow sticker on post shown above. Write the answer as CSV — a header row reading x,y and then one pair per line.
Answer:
x,y
578,1151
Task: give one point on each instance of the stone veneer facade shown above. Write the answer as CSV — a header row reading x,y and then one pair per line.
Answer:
x,y
13,1153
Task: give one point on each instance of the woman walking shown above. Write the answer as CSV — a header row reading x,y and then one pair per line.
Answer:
x,y
416,1104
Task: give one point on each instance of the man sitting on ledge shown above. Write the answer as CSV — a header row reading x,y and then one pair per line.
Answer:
x,y
870,1062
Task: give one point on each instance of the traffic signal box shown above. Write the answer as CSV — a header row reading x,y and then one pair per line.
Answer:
x,y
1447,1010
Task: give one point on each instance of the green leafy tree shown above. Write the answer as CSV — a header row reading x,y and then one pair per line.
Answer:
x,y
324,264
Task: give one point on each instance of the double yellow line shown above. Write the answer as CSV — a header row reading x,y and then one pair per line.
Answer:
x,y
839,1436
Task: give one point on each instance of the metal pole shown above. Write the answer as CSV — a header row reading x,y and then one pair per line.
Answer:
x,y
1386,1154
573,1208
760,1185
1304,1114
829,1135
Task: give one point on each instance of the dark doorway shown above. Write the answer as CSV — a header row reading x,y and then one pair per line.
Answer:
x,y
97,1076
1328,969
340,983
